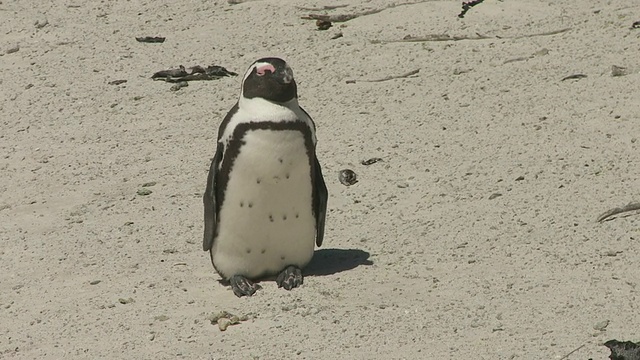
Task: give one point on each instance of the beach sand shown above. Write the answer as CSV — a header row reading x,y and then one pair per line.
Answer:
x,y
475,237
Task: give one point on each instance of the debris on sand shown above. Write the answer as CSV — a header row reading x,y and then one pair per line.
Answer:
x,y
347,177
151,39
224,319
197,72
370,161
466,6
323,24
623,350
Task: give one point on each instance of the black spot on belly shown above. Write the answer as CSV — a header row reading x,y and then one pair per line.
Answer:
x,y
270,217
280,160
282,257
250,204
297,215
263,251
241,204
258,180
287,176
284,217
248,251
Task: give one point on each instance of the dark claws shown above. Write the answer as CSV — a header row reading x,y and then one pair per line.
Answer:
x,y
242,286
289,278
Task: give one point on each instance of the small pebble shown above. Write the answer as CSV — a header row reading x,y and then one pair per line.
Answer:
x,y
41,22
619,71
179,85
12,49
224,319
161,318
542,52
125,301
223,323
217,316
144,192
601,326
94,282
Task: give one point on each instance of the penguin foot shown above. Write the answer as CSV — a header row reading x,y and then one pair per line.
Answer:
x,y
290,277
242,286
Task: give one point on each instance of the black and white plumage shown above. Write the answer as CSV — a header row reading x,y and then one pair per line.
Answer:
x,y
266,200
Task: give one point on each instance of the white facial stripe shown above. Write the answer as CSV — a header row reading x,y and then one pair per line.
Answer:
x,y
255,65
288,74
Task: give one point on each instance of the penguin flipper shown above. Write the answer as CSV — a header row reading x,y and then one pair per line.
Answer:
x,y
322,196
210,204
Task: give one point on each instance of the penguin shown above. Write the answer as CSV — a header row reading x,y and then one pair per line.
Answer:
x,y
266,200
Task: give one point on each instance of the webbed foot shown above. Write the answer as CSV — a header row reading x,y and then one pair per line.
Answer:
x,y
290,277
242,286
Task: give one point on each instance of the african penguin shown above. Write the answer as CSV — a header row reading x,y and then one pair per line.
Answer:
x,y
265,200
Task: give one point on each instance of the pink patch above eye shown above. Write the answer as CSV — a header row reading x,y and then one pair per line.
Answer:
x,y
266,67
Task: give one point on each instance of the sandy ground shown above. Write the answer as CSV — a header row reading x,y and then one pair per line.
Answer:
x,y
422,260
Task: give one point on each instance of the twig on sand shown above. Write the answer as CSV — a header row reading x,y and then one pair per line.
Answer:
x,y
547,33
326,7
432,37
619,210
445,37
406,75
236,2
347,17
574,350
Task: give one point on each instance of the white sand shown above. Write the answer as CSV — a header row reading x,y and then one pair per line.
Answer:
x,y
450,273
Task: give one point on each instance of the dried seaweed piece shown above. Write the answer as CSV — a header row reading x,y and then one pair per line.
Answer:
x,y
151,39
574,77
326,7
347,17
387,78
446,37
466,6
117,82
197,72
370,161
618,210
179,85
623,350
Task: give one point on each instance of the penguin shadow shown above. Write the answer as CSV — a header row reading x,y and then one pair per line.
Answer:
x,y
333,261
327,262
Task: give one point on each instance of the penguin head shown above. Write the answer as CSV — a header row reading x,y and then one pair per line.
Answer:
x,y
271,79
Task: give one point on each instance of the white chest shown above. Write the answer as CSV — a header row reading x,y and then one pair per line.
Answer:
x,y
266,221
